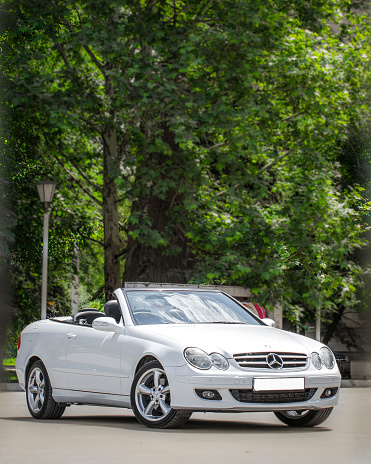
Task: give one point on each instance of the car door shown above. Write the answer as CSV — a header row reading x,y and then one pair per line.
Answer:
x,y
93,360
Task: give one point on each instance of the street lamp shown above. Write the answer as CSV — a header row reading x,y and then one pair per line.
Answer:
x,y
46,191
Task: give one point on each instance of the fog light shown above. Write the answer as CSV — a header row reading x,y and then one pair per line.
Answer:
x,y
329,392
208,394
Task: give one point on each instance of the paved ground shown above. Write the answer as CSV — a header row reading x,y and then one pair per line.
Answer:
x,y
92,435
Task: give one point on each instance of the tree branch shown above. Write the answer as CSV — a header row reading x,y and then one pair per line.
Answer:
x,y
293,116
78,182
300,250
202,11
70,174
64,56
122,227
90,124
84,176
78,14
305,244
7,181
121,253
90,53
217,145
226,190
95,60
91,239
280,158
176,193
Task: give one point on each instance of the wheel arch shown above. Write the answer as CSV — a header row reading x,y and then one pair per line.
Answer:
x,y
31,361
145,360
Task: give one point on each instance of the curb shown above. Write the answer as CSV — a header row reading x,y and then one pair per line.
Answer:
x,y
10,387
356,383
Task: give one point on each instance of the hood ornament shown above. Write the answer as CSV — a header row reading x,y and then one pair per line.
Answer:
x,y
274,361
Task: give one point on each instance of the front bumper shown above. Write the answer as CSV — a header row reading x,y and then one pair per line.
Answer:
x,y
237,393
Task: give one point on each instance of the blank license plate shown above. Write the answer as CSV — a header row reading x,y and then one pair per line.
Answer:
x,y
292,383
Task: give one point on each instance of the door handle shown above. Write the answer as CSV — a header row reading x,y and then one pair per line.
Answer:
x,y
71,335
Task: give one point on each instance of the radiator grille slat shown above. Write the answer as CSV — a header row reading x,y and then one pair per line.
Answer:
x,y
259,360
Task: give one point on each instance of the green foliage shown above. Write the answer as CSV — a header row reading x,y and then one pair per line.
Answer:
x,y
8,361
89,303
218,124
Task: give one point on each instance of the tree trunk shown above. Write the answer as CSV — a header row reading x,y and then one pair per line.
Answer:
x,y
331,328
112,276
160,215
166,264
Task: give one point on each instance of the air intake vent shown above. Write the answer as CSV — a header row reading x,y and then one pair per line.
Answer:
x,y
249,396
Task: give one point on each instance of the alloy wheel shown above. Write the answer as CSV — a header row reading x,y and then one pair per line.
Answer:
x,y
36,389
152,395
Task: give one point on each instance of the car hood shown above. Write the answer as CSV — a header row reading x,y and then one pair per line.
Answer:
x,y
233,339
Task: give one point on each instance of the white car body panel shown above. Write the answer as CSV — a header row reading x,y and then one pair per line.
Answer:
x,y
90,366
239,338
93,360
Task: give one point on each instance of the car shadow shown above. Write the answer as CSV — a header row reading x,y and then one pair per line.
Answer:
x,y
194,425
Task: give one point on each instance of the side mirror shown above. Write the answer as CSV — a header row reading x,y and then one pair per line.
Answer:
x,y
106,324
269,322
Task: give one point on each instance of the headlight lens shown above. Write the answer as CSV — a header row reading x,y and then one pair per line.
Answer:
x,y
327,357
219,361
316,360
197,358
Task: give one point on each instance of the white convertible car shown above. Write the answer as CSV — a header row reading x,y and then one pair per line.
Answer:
x,y
168,352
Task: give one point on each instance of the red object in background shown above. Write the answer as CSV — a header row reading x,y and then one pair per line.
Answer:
x,y
260,310
256,309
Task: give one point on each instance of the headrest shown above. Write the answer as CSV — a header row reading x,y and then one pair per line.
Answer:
x,y
112,309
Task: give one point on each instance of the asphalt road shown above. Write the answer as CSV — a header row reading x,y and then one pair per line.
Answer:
x,y
92,435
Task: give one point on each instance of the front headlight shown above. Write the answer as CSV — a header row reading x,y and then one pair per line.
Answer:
x,y
316,360
219,361
198,358
327,357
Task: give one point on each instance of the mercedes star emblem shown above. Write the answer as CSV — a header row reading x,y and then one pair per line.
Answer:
x,y
274,361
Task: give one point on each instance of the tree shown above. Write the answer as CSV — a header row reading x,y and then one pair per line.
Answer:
x,y
211,128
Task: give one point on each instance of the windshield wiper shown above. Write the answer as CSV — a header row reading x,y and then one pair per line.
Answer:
x,y
221,322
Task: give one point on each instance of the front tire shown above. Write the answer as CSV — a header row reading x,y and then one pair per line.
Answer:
x,y
305,418
39,397
150,399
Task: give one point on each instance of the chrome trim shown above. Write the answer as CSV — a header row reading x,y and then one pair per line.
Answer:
x,y
265,360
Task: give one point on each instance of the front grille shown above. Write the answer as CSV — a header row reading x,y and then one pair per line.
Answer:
x,y
285,396
259,360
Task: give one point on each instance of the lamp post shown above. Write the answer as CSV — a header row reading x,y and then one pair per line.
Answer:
x,y
46,191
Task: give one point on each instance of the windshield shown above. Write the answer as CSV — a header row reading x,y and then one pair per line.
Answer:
x,y
186,307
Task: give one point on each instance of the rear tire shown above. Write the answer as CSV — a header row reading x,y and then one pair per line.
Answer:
x,y
305,418
39,397
150,399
